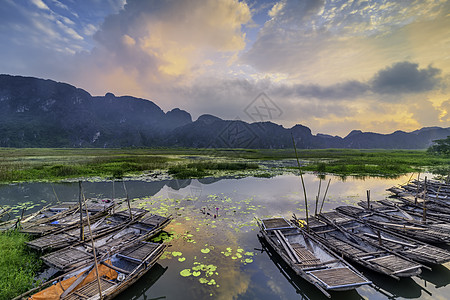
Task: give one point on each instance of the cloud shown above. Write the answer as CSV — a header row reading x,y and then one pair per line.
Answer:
x,y
332,41
445,111
177,37
405,77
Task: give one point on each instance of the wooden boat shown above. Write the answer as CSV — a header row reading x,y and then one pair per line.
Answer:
x,y
423,232
334,230
431,190
303,288
396,214
72,257
309,258
116,274
73,234
55,218
404,246
433,211
47,213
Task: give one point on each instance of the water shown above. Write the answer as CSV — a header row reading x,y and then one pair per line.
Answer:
x,y
222,258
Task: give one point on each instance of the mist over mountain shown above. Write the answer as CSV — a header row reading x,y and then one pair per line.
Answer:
x,y
43,113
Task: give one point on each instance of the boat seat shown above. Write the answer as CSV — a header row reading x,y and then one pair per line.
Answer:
x,y
306,257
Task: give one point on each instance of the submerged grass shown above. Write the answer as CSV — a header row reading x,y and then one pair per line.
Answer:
x,y
18,265
197,169
55,164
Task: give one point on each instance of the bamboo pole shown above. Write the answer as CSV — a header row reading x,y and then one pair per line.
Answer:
x,y
303,184
424,217
317,197
128,200
93,249
323,200
113,193
54,192
81,211
418,185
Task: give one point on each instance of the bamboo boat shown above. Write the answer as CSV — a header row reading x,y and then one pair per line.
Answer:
x,y
66,219
332,230
426,233
308,258
115,274
72,257
72,235
396,214
47,213
429,189
433,211
404,246
302,287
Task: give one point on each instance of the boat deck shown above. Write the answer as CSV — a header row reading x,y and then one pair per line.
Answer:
x,y
66,258
336,217
394,263
439,255
275,223
50,241
138,252
153,220
306,257
337,277
90,289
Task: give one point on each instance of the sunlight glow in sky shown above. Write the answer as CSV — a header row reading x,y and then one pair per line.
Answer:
x,y
330,65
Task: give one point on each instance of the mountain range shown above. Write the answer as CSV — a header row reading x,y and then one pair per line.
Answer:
x,y
44,113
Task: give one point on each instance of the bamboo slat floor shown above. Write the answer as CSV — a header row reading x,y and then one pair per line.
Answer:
x,y
336,277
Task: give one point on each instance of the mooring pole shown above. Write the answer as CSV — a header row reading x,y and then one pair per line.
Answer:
x,y
368,199
424,217
324,195
81,211
303,184
418,186
317,197
128,200
93,249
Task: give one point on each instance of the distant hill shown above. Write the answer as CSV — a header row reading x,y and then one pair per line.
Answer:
x,y
44,113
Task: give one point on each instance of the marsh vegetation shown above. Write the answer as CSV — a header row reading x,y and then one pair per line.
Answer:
x,y
18,265
40,164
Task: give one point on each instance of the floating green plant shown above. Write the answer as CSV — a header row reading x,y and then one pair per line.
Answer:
x,y
186,273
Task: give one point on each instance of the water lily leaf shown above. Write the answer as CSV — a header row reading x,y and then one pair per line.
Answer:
x,y
186,273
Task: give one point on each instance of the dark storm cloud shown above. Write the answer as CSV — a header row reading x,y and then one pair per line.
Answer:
x,y
400,78
405,77
346,90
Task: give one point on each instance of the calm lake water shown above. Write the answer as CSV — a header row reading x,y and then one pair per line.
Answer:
x,y
221,257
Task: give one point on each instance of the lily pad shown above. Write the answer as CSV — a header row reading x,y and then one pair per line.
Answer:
x,y
186,273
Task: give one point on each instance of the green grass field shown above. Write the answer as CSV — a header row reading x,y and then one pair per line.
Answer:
x,y
38,164
18,265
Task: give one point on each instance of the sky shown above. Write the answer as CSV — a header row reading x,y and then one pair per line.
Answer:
x,y
331,65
